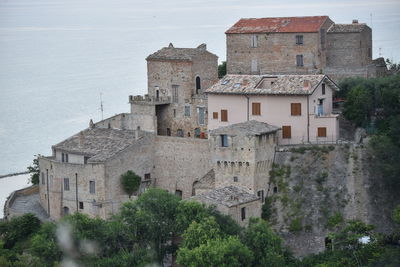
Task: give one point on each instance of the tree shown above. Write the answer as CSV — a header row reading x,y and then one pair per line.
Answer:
x,y
188,212
217,252
265,244
222,69
34,171
199,233
44,245
130,182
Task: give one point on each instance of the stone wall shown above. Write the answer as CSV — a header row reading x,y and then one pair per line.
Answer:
x,y
179,162
350,49
275,53
142,116
8,211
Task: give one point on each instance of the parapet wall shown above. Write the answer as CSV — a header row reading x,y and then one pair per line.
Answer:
x,y
8,212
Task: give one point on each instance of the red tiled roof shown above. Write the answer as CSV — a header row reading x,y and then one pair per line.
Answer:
x,y
288,24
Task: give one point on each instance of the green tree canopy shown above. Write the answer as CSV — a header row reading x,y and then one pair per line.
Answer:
x,y
130,182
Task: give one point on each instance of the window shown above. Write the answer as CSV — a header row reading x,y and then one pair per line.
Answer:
x,y
174,113
299,39
224,140
92,187
198,84
43,181
323,88
299,61
235,178
175,93
178,193
224,115
256,108
286,132
275,189
80,205
62,157
321,131
215,115
295,109
85,160
254,41
168,131
66,184
201,113
197,132
180,133
369,52
187,111
260,194
147,176
243,211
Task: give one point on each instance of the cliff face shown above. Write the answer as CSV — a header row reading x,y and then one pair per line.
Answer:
x,y
314,189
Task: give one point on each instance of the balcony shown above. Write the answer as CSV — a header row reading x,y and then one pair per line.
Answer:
x,y
149,100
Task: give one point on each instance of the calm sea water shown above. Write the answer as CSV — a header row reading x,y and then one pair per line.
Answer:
x,y
57,56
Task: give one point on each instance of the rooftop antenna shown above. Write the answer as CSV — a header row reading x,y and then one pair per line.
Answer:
x,y
371,19
101,105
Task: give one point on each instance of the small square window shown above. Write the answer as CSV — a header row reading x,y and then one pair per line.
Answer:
x,y
147,176
92,187
224,140
299,61
299,39
235,179
66,184
215,115
243,211
187,111
80,205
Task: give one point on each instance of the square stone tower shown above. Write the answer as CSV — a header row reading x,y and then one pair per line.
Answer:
x,y
242,155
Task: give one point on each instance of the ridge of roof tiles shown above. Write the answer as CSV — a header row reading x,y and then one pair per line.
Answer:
x,y
175,53
354,27
280,24
290,84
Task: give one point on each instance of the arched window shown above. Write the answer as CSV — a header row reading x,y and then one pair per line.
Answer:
x,y
198,84
66,211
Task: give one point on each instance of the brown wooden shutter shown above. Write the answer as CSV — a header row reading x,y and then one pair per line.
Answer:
x,y
286,132
256,108
295,109
215,115
224,115
321,131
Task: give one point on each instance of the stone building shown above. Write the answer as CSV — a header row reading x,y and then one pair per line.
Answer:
x,y
300,104
177,78
301,45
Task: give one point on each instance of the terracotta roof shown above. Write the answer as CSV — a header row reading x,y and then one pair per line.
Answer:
x,y
285,24
184,54
229,196
246,128
269,84
340,28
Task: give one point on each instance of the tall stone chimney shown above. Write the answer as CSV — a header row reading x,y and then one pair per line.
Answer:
x,y
91,124
355,21
137,133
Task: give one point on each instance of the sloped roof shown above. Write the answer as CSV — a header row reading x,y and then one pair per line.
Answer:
x,y
184,54
342,28
281,85
283,24
207,181
98,143
246,128
228,196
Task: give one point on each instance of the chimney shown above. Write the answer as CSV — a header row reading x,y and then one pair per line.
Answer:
x,y
91,124
306,85
355,21
170,45
202,47
137,133
81,138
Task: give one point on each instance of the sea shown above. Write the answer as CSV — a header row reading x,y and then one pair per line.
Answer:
x,y
60,60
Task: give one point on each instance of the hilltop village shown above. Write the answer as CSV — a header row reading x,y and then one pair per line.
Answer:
x,y
214,140
211,139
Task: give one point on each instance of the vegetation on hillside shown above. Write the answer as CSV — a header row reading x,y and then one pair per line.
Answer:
x,y
130,182
158,224
34,171
375,105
